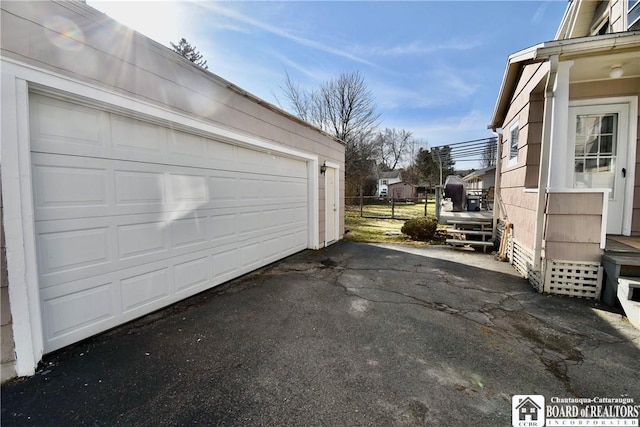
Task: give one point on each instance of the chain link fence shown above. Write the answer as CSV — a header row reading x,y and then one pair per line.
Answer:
x,y
390,208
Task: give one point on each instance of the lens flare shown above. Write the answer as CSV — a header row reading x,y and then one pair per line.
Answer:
x,y
64,33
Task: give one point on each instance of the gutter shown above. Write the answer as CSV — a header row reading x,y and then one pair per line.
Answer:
x,y
545,150
497,206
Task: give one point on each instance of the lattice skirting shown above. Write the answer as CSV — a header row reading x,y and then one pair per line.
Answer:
x,y
573,278
522,260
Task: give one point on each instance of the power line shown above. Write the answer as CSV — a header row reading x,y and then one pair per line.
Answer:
x,y
489,139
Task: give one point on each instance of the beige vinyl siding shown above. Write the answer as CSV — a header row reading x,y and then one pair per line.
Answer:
x,y
573,226
525,108
612,88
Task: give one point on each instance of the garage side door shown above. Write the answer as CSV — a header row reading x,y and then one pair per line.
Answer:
x,y
131,216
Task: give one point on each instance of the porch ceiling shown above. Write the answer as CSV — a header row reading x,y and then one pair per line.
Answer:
x,y
597,67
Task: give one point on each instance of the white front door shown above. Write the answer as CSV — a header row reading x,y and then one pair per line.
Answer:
x,y
598,139
331,208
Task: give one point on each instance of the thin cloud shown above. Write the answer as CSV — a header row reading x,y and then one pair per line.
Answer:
x,y
418,48
314,74
441,86
278,31
537,17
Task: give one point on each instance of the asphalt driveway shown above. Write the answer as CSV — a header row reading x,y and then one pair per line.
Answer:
x,y
351,335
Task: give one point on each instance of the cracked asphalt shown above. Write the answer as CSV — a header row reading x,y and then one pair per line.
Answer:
x,y
351,335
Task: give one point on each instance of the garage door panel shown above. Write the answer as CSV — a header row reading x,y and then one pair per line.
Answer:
x,y
221,155
223,189
73,250
188,188
135,240
67,186
250,256
60,126
188,148
190,232
133,216
67,314
224,228
144,289
131,137
139,188
225,264
295,241
190,274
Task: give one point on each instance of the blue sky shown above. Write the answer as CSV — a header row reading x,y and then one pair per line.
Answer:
x,y
434,67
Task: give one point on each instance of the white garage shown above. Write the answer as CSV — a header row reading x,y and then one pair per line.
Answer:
x,y
131,216
124,192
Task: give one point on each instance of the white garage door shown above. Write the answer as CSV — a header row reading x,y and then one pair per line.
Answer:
x,y
132,216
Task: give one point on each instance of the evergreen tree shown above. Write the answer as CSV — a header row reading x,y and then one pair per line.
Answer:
x,y
185,49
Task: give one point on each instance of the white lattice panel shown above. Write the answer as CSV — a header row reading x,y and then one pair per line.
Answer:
x,y
573,278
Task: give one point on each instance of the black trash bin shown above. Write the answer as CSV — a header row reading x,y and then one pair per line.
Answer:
x,y
473,204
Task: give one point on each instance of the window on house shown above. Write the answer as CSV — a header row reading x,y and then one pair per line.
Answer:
x,y
595,150
514,135
384,182
633,15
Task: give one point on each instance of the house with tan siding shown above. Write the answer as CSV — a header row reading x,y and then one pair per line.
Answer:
x,y
566,118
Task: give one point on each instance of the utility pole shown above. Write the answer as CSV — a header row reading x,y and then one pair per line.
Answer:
x,y
439,160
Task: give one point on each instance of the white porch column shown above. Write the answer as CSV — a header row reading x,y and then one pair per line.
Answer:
x,y
560,171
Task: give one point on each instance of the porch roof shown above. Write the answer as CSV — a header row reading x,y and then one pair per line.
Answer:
x,y
626,44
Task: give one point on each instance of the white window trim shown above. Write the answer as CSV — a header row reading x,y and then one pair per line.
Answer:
x,y
512,161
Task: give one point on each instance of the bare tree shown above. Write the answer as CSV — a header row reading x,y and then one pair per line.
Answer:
x,y
394,146
345,108
489,153
185,49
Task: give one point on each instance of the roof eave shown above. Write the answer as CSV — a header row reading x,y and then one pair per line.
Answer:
x,y
566,49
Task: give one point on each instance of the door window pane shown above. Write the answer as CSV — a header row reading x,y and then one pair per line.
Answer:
x,y
595,151
606,144
591,165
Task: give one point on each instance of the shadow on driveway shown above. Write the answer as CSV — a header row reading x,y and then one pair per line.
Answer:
x,y
354,334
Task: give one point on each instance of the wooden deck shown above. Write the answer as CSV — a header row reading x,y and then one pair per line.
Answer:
x,y
623,244
446,218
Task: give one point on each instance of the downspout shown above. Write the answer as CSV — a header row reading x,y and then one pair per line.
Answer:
x,y
497,206
545,150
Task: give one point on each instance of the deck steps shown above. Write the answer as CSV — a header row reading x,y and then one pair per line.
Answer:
x,y
470,232
463,229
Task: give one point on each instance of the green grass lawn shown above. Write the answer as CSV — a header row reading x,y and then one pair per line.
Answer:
x,y
372,230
